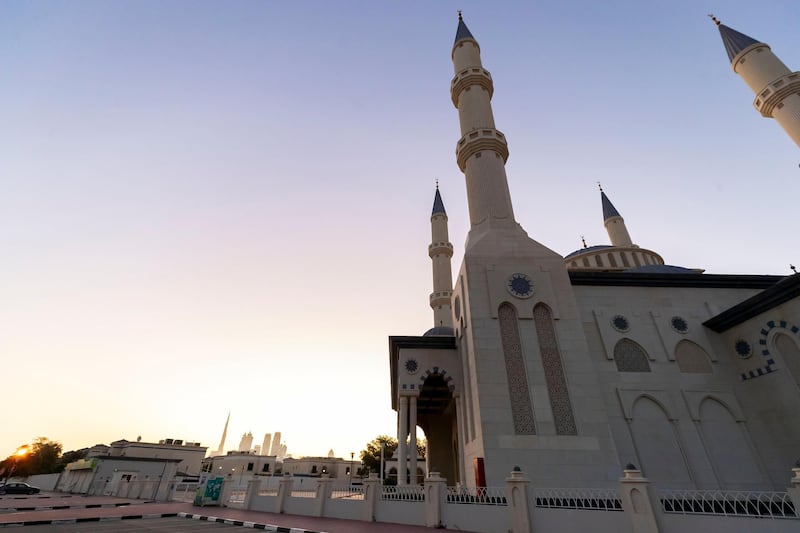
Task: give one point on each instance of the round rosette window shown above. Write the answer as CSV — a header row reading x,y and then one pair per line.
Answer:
x,y
743,348
679,324
412,366
520,285
620,323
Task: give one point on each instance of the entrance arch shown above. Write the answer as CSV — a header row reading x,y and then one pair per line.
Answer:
x,y
436,415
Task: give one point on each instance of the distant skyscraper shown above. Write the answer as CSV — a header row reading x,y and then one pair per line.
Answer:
x,y
265,447
246,444
221,449
275,449
257,449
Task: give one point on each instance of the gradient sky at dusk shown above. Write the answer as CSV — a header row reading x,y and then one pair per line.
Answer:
x,y
214,206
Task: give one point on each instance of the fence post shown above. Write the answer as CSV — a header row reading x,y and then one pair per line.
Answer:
x,y
324,486
253,486
372,488
517,487
639,501
794,490
285,486
434,493
225,492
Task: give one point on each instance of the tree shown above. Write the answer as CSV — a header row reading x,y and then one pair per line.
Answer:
x,y
42,457
70,457
371,454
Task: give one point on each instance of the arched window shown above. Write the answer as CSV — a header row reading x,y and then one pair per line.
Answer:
x,y
630,357
691,358
790,354
554,372
518,391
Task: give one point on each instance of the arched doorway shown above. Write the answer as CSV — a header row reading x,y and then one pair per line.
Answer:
x,y
436,415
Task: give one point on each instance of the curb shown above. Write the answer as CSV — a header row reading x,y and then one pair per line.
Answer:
x,y
87,519
62,507
245,523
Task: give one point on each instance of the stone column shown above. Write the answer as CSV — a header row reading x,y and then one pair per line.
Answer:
x,y
284,491
372,493
324,487
412,413
794,490
639,502
517,487
460,421
435,486
402,433
253,486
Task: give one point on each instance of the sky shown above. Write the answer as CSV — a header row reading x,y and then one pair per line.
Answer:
x,y
213,207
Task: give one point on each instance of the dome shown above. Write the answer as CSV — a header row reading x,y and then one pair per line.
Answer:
x,y
662,269
439,331
588,249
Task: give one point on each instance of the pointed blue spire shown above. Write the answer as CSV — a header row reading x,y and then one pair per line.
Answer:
x,y
462,32
438,205
608,208
734,41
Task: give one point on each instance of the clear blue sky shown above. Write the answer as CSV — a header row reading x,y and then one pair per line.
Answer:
x,y
225,205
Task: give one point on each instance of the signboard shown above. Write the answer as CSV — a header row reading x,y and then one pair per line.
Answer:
x,y
209,493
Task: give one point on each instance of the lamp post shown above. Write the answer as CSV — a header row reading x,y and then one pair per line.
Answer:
x,y
350,480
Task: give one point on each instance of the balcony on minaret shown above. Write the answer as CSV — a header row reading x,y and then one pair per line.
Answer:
x,y
440,298
773,94
478,140
471,76
438,248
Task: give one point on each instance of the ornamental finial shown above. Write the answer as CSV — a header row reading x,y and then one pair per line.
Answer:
x,y
794,268
712,17
599,186
583,241
459,15
437,184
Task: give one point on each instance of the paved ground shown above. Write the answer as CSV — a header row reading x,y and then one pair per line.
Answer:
x,y
95,513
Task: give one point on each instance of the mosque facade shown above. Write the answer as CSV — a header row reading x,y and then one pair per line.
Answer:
x,y
574,367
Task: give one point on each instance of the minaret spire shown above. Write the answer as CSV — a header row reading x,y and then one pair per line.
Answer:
x,y
482,151
440,252
221,449
776,87
615,224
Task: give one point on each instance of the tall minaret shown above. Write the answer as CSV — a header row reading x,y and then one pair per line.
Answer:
x,y
482,151
221,449
615,224
776,87
440,252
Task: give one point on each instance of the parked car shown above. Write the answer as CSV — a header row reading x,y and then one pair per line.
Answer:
x,y
19,488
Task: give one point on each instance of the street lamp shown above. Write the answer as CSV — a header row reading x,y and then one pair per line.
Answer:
x,y
350,481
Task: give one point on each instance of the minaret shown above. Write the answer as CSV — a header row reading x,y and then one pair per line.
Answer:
x,y
221,449
776,87
440,252
615,224
482,151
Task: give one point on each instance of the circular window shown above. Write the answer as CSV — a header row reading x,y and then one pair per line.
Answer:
x,y
679,324
520,285
412,366
620,323
743,348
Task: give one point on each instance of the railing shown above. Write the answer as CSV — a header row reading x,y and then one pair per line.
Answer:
x,y
411,493
304,494
590,499
349,493
476,495
728,503
268,492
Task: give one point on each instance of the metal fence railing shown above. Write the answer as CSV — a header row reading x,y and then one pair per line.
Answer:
x,y
728,503
477,495
352,492
590,499
409,493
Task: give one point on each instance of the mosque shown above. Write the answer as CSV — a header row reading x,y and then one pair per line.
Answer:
x,y
572,367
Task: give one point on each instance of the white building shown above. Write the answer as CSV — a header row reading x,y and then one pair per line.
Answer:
x,y
572,367
239,465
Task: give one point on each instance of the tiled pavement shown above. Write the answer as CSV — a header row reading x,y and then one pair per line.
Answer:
x,y
140,509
